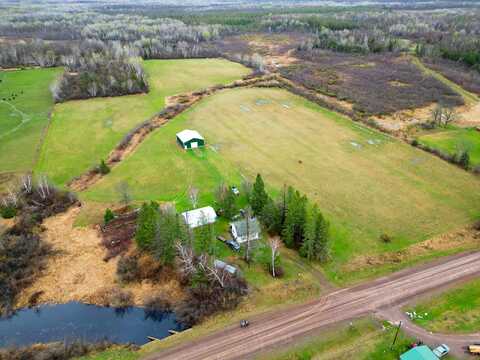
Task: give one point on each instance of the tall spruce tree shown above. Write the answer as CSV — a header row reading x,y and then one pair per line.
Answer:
x,y
166,235
147,225
271,217
259,196
315,243
295,218
226,201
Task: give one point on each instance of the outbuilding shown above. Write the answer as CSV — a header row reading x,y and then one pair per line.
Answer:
x,y
242,230
190,139
422,352
200,217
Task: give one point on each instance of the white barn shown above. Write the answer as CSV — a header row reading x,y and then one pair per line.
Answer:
x,y
200,217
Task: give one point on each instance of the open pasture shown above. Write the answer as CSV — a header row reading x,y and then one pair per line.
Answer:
x,y
368,184
83,132
453,140
25,104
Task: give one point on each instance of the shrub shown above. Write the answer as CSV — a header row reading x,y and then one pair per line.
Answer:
x,y
463,159
8,212
476,169
414,142
476,225
113,296
103,168
108,216
157,303
128,269
54,351
386,238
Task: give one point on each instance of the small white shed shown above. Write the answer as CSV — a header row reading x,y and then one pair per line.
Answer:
x,y
200,217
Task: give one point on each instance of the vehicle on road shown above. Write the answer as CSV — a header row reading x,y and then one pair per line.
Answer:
x,y
235,246
441,350
244,323
474,349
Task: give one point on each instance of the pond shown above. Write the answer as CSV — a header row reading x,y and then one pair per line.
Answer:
x,y
90,323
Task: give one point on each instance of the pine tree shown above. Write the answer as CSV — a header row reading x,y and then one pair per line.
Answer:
x,y
315,244
271,217
146,225
226,201
259,196
108,216
166,236
295,218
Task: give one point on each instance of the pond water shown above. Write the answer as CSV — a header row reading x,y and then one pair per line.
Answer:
x,y
90,323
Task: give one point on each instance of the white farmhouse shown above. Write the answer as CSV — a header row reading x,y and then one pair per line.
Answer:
x,y
239,232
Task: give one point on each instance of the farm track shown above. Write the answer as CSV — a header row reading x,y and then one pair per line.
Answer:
x,y
279,328
179,104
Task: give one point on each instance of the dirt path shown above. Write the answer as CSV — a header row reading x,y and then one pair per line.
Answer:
x,y
457,343
278,328
77,272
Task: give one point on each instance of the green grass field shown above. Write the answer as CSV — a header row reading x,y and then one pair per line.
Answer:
x,y
456,311
85,131
365,182
452,140
23,119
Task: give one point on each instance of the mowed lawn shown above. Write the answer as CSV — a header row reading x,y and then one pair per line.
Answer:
x,y
456,311
85,131
453,140
25,103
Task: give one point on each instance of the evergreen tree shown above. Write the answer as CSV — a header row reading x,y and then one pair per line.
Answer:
x,y
166,236
103,168
464,159
271,217
259,196
146,225
315,244
226,201
295,218
108,216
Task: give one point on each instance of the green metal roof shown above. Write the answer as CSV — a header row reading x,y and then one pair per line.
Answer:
x,y
419,353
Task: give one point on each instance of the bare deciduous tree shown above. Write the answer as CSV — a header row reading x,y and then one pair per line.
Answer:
x,y
193,196
274,244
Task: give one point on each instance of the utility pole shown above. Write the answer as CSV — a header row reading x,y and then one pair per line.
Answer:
x,y
396,334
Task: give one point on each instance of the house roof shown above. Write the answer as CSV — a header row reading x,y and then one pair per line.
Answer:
x,y
241,227
419,353
199,217
187,135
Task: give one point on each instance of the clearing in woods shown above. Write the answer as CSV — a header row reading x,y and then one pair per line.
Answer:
x,y
85,131
25,104
368,184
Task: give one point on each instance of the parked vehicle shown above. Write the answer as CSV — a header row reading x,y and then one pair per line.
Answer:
x,y
244,323
474,349
441,350
235,246
235,191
